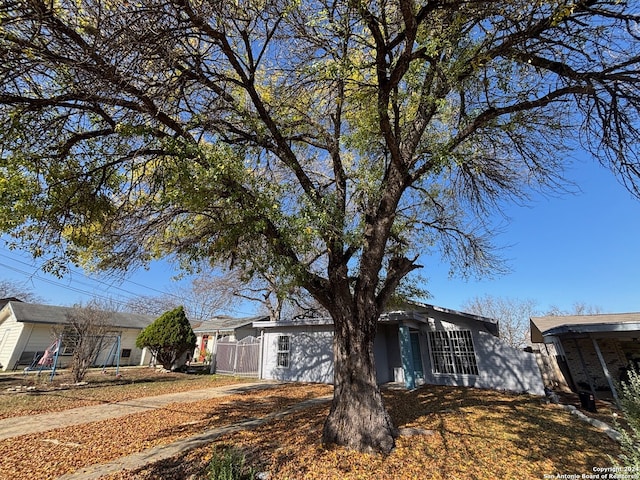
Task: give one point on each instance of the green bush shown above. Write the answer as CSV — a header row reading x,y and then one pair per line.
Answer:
x,y
630,402
229,464
168,338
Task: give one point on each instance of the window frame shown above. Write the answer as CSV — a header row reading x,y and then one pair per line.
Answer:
x,y
453,352
283,351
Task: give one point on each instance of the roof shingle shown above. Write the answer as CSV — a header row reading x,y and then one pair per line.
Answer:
x,y
35,313
539,325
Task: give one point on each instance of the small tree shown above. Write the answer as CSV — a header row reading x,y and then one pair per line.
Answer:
x,y
168,337
83,334
631,407
512,314
9,288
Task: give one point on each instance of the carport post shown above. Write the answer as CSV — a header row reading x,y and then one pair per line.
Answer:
x,y
585,370
606,371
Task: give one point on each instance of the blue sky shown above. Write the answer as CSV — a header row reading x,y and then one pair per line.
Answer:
x,y
579,247
562,249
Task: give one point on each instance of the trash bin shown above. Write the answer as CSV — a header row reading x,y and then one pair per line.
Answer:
x,y
587,401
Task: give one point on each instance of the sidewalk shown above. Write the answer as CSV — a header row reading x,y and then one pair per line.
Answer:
x,y
16,426
163,452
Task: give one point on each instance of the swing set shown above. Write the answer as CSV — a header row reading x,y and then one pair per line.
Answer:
x,y
49,360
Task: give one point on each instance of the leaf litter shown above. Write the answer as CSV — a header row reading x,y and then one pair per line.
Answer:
x,y
453,433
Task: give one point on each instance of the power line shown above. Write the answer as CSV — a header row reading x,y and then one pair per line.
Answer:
x,y
122,298
59,283
97,280
32,275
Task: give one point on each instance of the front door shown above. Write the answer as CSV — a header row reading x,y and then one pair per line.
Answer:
x,y
416,355
203,348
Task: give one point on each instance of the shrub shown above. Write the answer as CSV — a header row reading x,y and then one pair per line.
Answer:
x,y
630,402
229,465
168,338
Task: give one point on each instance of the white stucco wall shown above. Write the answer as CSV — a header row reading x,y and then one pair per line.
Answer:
x,y
500,366
503,367
311,355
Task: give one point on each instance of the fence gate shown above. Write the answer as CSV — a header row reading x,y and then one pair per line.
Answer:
x,y
238,357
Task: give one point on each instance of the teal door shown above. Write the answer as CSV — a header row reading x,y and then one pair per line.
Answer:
x,y
416,355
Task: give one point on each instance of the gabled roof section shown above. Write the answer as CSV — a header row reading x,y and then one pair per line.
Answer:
x,y
447,314
413,310
224,323
4,301
53,315
557,325
266,322
427,308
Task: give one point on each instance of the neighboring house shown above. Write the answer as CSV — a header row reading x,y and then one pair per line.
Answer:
x,y
592,352
27,329
221,341
420,344
210,331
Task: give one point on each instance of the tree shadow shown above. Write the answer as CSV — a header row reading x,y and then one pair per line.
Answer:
x,y
251,404
537,430
459,423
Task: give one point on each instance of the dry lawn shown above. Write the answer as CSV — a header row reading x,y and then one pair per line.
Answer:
x,y
469,434
466,434
44,396
64,450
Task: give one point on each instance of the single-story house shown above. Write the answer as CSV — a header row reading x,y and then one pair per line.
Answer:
x,y
593,352
419,344
27,330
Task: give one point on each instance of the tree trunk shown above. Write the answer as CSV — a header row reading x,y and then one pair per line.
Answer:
x,y
358,418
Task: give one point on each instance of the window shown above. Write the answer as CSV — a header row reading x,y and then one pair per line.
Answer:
x,y
126,353
452,352
283,351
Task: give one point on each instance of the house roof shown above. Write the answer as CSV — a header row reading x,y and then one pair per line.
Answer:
x,y
406,310
224,323
433,310
565,324
298,322
4,301
49,314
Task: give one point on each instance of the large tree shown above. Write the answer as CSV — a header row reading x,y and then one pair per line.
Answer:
x,y
328,142
211,292
202,298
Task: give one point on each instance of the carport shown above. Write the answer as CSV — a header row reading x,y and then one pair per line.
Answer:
x,y
597,349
